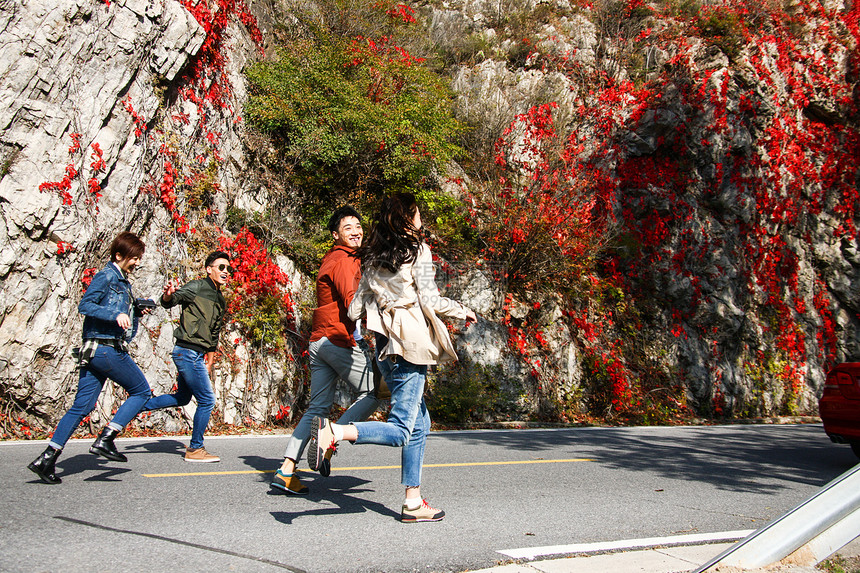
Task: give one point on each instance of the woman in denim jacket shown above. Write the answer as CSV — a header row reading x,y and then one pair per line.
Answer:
x,y
110,322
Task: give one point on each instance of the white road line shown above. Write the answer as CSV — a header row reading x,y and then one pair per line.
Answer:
x,y
534,552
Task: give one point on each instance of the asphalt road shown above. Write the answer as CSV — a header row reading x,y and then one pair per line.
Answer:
x,y
502,490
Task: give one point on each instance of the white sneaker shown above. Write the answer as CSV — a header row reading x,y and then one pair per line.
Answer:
x,y
422,513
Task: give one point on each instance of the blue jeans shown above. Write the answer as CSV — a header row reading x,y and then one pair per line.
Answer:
x,y
107,362
192,380
330,362
408,422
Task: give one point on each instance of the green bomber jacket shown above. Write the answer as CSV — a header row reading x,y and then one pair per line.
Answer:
x,y
202,316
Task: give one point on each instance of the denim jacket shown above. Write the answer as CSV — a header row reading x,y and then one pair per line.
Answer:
x,y
108,296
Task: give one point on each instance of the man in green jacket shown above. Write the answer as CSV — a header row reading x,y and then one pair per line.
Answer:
x,y
196,336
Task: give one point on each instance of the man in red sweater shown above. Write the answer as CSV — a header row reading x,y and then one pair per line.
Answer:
x,y
334,351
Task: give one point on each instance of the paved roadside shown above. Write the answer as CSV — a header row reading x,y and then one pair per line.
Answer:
x,y
527,498
681,559
658,560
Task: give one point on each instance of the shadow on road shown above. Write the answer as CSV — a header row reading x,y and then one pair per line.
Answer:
x,y
156,447
90,462
746,458
338,495
262,464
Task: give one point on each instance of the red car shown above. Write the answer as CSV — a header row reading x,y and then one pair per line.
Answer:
x,y
839,405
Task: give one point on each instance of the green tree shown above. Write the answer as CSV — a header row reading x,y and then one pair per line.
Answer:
x,y
357,114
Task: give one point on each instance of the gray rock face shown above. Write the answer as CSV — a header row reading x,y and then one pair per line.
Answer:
x,y
99,71
65,67
111,73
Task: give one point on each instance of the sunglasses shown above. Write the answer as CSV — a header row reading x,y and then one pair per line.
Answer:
x,y
223,267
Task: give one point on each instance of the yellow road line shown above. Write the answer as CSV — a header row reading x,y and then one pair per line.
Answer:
x,y
357,468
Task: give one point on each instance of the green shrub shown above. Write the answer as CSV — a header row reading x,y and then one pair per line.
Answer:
x,y
354,114
466,50
7,162
305,245
462,394
724,29
348,111
685,8
445,214
204,186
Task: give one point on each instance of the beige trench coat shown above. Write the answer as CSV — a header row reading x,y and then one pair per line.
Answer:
x,y
405,306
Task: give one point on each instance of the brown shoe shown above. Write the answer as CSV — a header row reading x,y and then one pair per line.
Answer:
x,y
423,513
200,455
289,483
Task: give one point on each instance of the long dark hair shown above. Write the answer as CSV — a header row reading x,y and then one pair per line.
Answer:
x,y
393,240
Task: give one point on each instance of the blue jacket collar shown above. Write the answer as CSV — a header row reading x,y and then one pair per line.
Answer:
x,y
115,267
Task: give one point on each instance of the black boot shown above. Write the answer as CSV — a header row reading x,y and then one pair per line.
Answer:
x,y
43,466
103,446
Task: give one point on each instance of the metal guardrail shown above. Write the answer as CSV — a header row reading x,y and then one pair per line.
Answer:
x,y
809,533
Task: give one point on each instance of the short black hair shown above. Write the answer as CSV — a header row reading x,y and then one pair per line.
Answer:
x,y
214,256
340,214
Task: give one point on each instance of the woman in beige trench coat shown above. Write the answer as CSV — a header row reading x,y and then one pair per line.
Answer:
x,y
399,297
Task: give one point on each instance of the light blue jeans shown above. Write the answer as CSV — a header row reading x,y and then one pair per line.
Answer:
x,y
106,363
192,380
330,362
408,422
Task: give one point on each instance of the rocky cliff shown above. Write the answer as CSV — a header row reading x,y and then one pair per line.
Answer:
x,y
722,276
718,141
104,103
